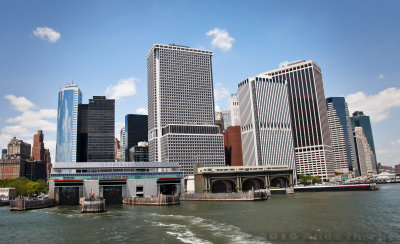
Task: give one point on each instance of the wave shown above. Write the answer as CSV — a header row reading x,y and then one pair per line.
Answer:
x,y
188,225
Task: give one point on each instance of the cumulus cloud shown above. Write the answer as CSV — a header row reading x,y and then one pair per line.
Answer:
x,y
221,39
124,88
377,106
141,111
28,122
48,34
220,92
381,76
20,103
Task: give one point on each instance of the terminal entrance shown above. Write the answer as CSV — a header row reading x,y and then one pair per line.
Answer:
x,y
68,196
169,186
112,194
252,184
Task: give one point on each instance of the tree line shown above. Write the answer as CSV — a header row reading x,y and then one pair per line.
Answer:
x,y
26,187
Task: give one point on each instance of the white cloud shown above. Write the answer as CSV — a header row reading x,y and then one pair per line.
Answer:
x,y
221,39
220,92
124,88
389,155
28,122
142,111
20,103
381,76
377,106
47,34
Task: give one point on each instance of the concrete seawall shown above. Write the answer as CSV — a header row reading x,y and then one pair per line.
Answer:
x,y
160,200
358,187
235,196
22,204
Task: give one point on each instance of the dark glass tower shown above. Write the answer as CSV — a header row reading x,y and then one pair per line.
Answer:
x,y
135,131
101,122
361,120
81,152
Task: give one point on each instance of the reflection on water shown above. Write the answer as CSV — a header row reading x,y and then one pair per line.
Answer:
x,y
318,217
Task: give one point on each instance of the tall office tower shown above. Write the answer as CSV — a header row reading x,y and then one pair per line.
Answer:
x,y
343,149
309,119
267,136
361,120
82,144
235,112
365,155
67,123
117,149
101,122
38,146
135,130
18,149
181,107
122,138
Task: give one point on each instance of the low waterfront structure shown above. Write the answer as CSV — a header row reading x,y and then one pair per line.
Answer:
x,y
241,178
114,180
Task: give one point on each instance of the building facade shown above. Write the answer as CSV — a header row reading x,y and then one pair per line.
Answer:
x,y
40,153
343,149
101,129
365,155
18,149
140,152
135,130
81,152
3,153
235,111
266,128
233,146
309,117
361,120
71,181
122,138
67,123
181,122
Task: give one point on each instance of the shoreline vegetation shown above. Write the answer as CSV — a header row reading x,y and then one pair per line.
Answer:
x,y
26,187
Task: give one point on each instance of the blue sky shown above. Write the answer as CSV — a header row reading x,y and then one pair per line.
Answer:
x,y
101,46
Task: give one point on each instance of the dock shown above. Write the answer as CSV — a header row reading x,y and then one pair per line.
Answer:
x,y
159,200
320,188
234,196
25,203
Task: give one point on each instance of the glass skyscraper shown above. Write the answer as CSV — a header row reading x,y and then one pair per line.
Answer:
x,y
361,120
67,123
343,148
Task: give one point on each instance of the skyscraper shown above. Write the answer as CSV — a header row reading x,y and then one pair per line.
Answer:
x,y
67,123
101,127
81,152
38,146
181,120
235,112
343,148
309,117
122,138
135,130
364,152
265,122
361,120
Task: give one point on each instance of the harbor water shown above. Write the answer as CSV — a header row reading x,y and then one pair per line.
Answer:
x,y
312,217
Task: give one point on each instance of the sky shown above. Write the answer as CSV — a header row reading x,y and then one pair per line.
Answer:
x,y
101,46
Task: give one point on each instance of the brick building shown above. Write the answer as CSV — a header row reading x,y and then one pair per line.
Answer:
x,y
233,146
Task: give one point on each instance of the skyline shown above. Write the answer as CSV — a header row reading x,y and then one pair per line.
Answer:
x,y
102,48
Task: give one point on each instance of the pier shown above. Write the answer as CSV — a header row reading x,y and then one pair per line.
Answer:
x,y
24,203
319,188
252,195
160,200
